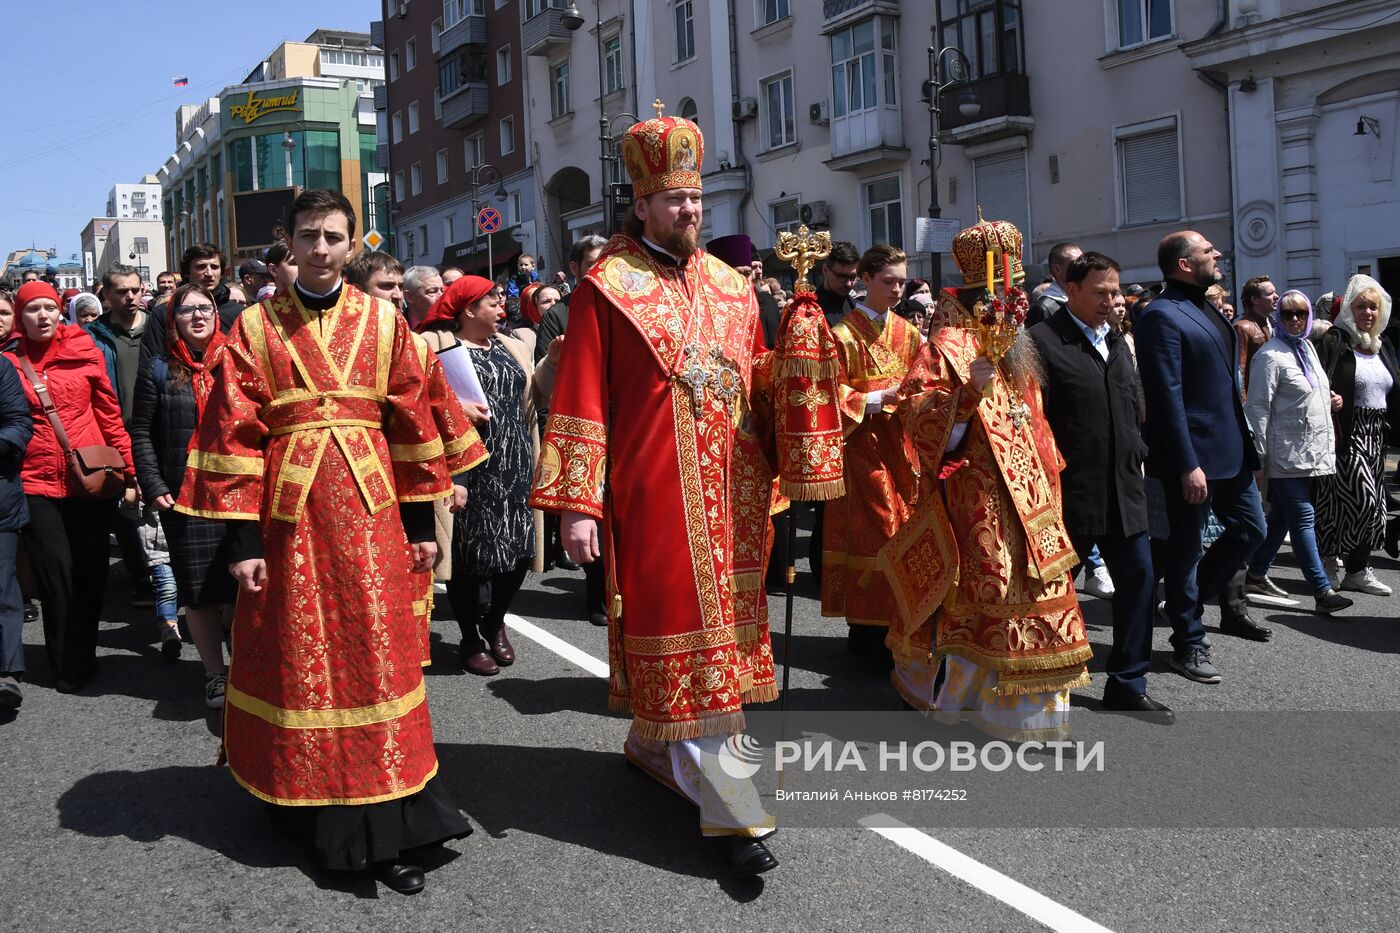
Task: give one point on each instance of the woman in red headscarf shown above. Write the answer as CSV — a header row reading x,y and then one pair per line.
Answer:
x,y
67,534
171,389
496,538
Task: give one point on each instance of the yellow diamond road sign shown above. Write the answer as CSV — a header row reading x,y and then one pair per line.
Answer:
x,y
373,239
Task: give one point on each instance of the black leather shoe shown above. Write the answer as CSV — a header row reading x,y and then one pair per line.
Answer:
x,y
400,877
563,563
1245,627
749,857
598,618
1146,708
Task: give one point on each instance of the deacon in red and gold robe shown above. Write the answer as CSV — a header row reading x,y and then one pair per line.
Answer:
x,y
980,571
319,443
650,403
876,349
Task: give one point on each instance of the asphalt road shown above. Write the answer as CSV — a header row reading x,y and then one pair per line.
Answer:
x,y
114,815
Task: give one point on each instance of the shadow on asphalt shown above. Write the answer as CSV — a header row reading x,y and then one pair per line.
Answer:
x,y
546,792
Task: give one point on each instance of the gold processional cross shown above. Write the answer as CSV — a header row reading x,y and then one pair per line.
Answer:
x,y
803,250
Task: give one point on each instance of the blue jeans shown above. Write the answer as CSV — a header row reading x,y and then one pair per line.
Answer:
x,y
1292,514
11,607
1194,578
166,598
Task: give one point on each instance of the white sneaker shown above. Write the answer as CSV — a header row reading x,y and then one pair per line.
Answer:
x,y
1364,581
1099,583
214,685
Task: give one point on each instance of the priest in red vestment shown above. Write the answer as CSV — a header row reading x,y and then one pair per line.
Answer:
x,y
319,446
642,457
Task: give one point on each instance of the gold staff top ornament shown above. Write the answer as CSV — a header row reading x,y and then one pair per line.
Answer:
x,y
803,249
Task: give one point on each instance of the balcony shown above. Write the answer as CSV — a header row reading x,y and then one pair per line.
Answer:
x,y
465,105
838,14
469,30
544,32
1006,109
381,157
381,97
860,140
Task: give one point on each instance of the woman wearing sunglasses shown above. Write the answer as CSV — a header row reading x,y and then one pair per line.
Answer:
x,y
1289,409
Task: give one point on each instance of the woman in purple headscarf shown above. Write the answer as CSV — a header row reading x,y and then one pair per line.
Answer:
x,y
1289,409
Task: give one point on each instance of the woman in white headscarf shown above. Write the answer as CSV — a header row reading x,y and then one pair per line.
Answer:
x,y
1361,368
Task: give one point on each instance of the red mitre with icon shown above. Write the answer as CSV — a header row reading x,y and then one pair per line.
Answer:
x,y
663,153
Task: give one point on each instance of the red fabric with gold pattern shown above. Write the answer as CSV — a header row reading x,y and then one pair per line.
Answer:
x,y
662,153
318,425
880,468
967,546
631,441
808,426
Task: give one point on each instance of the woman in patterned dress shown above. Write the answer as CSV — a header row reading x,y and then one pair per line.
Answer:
x,y
494,541
1361,368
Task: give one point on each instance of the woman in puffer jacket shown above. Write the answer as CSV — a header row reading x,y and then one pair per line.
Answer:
x,y
1289,409
67,534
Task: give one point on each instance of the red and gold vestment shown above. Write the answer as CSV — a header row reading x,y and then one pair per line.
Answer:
x,y
880,468
317,427
650,403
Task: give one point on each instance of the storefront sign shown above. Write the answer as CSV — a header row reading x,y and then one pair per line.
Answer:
x,y
255,108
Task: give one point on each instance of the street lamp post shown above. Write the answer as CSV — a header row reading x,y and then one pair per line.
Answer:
x,y
958,71
607,156
289,145
140,266
501,195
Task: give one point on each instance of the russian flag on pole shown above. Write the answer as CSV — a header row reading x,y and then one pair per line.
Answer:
x,y
182,81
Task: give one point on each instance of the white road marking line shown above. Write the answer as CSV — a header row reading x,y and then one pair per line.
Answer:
x,y
558,645
988,880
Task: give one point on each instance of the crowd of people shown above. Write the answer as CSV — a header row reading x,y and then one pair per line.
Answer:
x,y
242,438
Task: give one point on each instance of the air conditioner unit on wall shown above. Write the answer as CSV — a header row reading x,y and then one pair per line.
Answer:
x,y
818,113
745,107
403,10
816,213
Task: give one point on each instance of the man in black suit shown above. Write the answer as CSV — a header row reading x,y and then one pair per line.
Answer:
x,y
1200,447
1091,402
838,276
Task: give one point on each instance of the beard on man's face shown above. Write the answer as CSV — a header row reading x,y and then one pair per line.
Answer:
x,y
683,242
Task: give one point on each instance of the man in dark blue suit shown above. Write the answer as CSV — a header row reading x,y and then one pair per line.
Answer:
x,y
1199,446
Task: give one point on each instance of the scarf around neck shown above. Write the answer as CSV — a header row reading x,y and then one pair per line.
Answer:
x,y
201,369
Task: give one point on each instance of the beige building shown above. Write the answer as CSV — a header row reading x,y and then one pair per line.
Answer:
x,y
815,111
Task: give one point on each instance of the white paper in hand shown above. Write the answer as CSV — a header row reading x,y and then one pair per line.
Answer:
x,y
461,374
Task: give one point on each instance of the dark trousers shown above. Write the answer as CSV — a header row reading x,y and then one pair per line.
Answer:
x,y
67,544
11,607
1193,578
595,577
1129,562
480,602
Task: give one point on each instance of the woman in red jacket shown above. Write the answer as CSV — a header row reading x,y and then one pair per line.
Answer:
x,y
67,535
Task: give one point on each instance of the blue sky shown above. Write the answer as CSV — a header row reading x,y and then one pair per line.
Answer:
x,y
87,100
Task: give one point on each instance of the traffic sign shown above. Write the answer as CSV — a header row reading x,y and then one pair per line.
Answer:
x,y
489,220
373,239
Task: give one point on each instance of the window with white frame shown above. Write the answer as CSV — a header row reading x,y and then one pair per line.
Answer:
x,y
1000,187
864,67
503,65
779,111
437,103
415,178
883,200
612,65
1149,172
559,89
1142,21
454,11
449,234
422,239
437,35
507,135
473,151
512,211
770,11
442,166
413,118
689,109
396,127
393,66
399,193
684,22
410,55
785,215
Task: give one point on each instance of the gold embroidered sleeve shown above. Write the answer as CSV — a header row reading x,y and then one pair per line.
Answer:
x,y
573,466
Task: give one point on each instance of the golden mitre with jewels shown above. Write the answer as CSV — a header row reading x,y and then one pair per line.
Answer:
x,y
997,237
663,153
